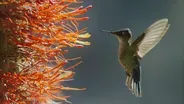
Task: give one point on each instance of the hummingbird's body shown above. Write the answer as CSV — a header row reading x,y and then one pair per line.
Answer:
x,y
130,52
126,56
129,61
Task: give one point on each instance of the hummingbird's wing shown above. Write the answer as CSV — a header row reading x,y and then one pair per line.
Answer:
x,y
151,37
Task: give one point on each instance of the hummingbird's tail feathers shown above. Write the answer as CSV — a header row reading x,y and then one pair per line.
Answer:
x,y
136,82
133,82
128,82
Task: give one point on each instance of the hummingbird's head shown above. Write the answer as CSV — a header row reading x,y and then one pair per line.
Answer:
x,y
122,35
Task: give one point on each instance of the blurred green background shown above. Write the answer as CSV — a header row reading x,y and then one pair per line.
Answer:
x,y
162,67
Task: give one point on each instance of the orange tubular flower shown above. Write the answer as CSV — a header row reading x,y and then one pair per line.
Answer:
x,y
37,32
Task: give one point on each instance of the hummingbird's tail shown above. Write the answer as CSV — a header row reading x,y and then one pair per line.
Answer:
x,y
133,82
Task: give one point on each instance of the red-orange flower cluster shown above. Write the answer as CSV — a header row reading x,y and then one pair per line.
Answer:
x,y
37,31
33,85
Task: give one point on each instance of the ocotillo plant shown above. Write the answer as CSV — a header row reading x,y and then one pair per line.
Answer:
x,y
33,37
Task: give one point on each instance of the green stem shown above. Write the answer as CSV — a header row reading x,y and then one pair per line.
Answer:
x,y
7,63
4,63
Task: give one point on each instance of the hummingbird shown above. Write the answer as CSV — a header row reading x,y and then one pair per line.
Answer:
x,y
130,53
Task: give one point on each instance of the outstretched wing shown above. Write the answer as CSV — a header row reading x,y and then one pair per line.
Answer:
x,y
151,37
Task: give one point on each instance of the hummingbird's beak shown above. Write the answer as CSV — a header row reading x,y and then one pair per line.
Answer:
x,y
106,31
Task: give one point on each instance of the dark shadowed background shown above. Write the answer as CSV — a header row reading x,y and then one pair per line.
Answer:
x,y
162,67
